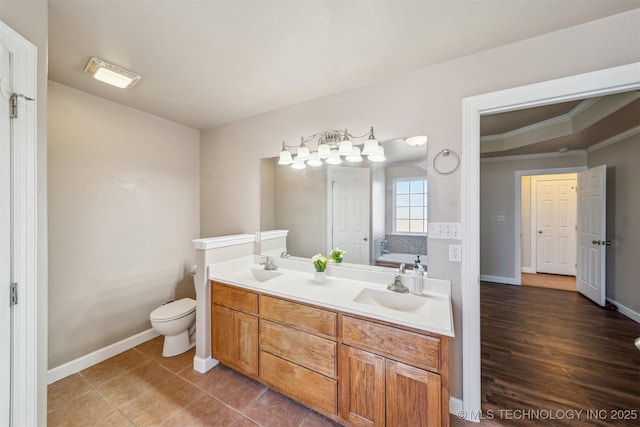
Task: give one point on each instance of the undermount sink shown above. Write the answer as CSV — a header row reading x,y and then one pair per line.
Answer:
x,y
405,303
259,274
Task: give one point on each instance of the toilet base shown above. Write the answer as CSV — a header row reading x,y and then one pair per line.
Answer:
x,y
177,344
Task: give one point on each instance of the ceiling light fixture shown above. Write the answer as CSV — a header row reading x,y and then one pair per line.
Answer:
x,y
330,146
111,74
416,140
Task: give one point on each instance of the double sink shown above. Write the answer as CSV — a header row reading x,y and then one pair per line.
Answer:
x,y
405,303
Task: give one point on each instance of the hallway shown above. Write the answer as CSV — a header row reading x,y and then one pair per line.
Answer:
x,y
555,350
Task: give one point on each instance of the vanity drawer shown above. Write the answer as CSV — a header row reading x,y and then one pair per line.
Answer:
x,y
310,351
422,351
231,297
308,387
299,316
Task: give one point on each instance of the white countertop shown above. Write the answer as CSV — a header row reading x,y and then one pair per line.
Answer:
x,y
296,282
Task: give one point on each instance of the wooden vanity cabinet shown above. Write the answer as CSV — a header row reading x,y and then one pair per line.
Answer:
x,y
392,376
234,328
356,370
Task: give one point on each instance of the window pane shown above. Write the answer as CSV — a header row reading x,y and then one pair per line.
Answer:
x,y
417,200
417,226
402,200
402,213
402,225
417,213
417,186
402,187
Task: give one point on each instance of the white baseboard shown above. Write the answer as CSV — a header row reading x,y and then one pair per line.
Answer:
x,y
204,365
455,406
528,270
98,356
498,279
633,315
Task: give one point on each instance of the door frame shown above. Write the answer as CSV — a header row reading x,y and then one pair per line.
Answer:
x,y
518,214
25,378
597,83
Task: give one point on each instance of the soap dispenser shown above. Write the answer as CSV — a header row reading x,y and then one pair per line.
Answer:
x,y
417,284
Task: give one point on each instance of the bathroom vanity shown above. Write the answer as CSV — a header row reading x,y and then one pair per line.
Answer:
x,y
348,349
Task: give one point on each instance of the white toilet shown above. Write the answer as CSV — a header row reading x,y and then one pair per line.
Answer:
x,y
177,322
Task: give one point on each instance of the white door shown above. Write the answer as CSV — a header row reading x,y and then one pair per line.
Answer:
x,y
5,238
556,225
350,190
592,233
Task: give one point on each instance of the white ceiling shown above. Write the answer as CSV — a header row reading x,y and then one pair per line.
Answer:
x,y
207,63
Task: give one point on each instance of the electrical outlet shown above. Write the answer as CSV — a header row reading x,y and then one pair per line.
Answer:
x,y
455,253
500,218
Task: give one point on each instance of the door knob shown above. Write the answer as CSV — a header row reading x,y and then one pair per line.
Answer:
x,y
365,238
608,243
595,242
539,231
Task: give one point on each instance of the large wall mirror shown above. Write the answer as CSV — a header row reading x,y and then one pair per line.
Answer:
x,y
377,212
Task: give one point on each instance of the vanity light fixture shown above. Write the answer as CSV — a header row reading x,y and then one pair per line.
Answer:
x,y
111,74
330,148
416,140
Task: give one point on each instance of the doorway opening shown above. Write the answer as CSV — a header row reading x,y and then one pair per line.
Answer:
x,y
609,81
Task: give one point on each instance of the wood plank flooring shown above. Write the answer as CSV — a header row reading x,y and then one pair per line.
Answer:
x,y
549,281
557,351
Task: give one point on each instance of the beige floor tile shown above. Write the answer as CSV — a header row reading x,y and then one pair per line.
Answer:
x,y
243,422
272,409
83,411
235,390
114,420
153,349
111,368
206,411
316,420
133,383
66,389
160,403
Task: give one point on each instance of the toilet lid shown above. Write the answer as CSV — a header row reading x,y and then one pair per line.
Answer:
x,y
173,310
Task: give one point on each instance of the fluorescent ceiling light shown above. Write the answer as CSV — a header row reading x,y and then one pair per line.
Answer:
x,y
111,74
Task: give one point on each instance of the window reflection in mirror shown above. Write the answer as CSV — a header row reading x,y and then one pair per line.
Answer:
x,y
377,212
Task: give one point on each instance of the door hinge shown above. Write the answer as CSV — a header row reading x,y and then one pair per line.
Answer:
x,y
13,294
13,104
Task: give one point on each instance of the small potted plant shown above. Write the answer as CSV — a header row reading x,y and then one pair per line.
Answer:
x,y
320,263
336,255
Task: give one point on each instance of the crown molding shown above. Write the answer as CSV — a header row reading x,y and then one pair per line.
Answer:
x,y
532,156
616,138
579,118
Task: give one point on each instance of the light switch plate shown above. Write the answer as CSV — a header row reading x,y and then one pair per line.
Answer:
x,y
445,230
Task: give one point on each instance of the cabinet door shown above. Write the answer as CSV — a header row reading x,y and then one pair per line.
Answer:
x,y
222,334
246,335
362,378
413,396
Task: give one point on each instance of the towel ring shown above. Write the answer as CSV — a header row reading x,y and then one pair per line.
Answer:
x,y
449,167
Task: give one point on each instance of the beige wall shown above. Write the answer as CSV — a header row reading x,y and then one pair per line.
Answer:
x,y
623,228
428,101
30,19
123,211
497,197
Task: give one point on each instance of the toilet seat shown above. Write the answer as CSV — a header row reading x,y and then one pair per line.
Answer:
x,y
174,310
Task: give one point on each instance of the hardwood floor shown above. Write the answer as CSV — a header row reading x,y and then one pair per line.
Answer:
x,y
549,281
558,352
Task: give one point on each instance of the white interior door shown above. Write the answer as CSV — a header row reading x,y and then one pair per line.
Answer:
x,y
592,233
5,239
556,225
350,190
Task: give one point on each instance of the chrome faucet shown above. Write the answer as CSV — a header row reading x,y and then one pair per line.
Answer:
x,y
397,285
285,254
268,263
401,269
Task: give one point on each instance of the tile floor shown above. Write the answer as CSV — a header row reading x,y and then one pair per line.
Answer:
x,y
140,387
